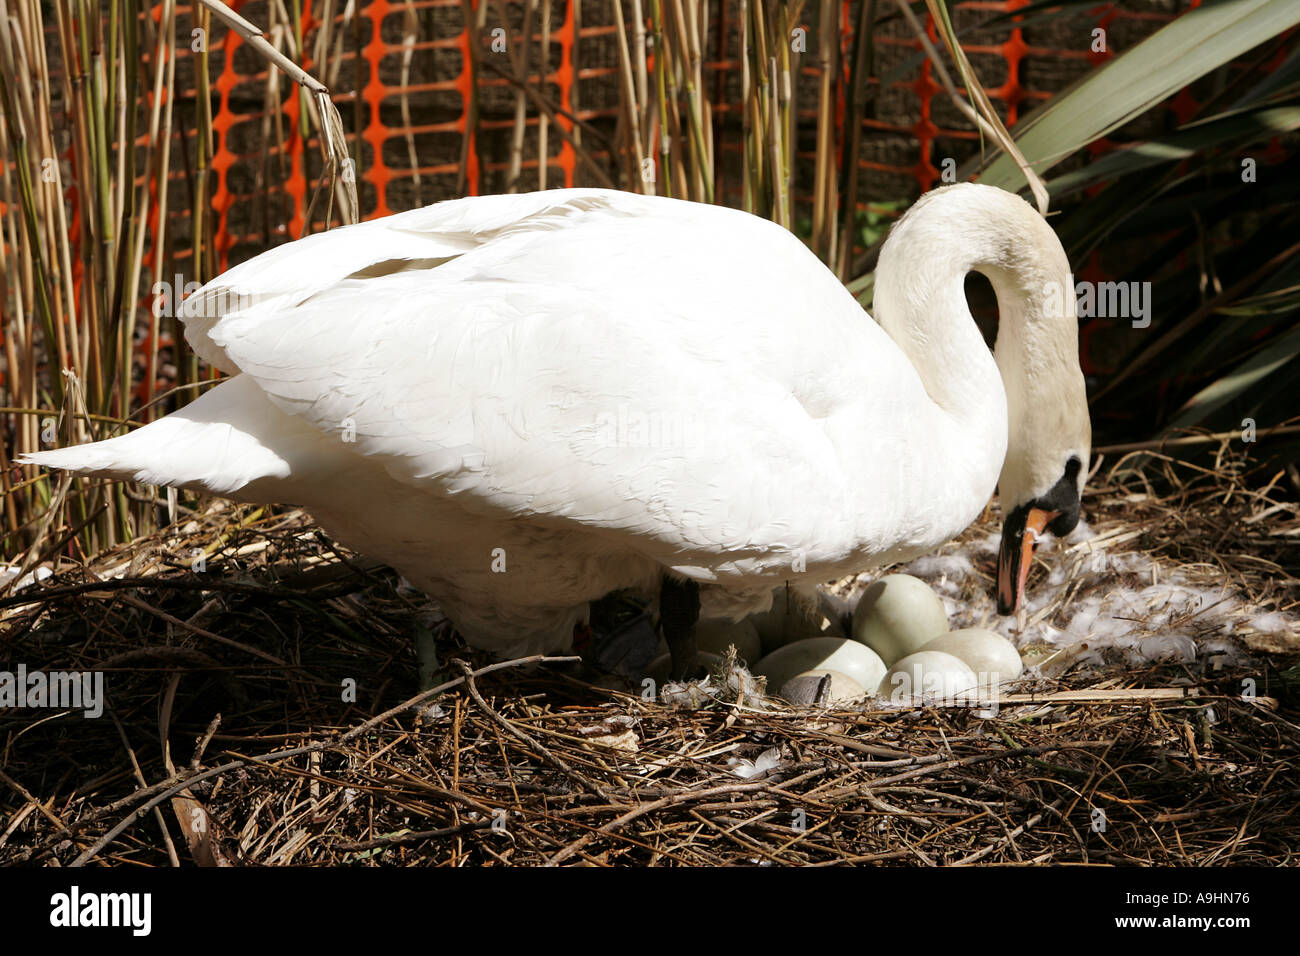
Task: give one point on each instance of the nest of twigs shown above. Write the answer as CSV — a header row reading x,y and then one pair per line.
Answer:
x,y
266,710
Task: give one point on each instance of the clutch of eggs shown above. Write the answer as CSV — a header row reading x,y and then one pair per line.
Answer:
x,y
901,648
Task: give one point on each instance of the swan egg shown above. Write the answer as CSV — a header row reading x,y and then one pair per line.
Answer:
x,y
897,615
802,690
991,656
931,675
849,657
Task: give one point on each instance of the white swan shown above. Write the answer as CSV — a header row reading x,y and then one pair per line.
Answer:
x,y
526,402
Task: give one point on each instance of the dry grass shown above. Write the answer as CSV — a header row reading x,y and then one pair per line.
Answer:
x,y
93,133
225,704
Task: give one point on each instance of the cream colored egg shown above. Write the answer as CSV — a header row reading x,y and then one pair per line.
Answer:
x,y
657,669
897,615
991,656
715,634
792,617
931,675
802,690
841,654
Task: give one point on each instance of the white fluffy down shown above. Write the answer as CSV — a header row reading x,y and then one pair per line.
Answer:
x,y
1114,608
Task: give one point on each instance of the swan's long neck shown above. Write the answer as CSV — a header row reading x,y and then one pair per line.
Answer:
x,y
920,301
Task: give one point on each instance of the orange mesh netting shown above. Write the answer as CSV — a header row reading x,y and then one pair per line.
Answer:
x,y
577,64
402,77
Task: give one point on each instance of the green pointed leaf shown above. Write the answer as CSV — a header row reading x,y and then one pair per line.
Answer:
x,y
1279,302
1237,129
1191,46
1249,373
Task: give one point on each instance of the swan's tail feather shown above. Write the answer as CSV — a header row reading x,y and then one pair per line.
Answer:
x,y
92,459
173,452
231,441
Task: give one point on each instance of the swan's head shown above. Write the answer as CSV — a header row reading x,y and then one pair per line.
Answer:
x,y
1056,510
1041,484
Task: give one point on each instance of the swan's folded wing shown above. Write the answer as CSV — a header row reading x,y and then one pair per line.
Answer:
x,y
418,239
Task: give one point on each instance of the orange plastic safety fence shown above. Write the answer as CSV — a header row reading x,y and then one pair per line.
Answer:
x,y
378,174
232,238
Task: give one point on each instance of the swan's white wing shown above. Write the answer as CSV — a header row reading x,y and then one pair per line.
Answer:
x,y
419,238
679,373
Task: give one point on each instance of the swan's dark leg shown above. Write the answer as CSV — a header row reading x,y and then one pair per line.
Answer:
x,y
679,609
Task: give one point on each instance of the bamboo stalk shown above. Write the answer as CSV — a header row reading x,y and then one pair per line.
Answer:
x,y
983,115
549,109
28,204
863,56
201,208
333,142
823,226
776,149
760,125
575,56
630,103
518,54
661,87
645,117
748,190
688,41
543,122
785,94
167,49
410,31
129,213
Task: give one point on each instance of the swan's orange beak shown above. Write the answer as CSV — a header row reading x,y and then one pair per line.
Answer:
x,y
1019,539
